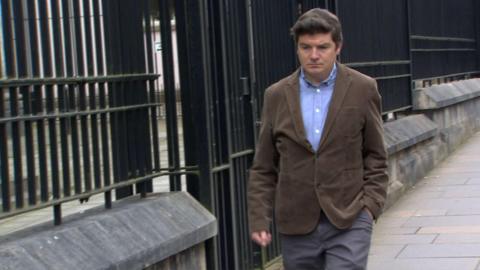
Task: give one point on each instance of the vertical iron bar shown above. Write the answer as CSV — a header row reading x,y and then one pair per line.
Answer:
x,y
141,29
152,134
9,67
41,140
72,70
131,56
14,103
50,104
16,150
410,54
170,93
147,125
118,64
193,36
477,32
109,11
94,131
82,88
4,167
63,95
252,70
128,152
186,37
62,108
229,72
99,34
92,93
27,104
105,146
125,137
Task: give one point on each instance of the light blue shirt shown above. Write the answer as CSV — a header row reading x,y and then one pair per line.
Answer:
x,y
315,100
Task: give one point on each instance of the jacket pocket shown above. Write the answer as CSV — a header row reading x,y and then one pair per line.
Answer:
x,y
352,186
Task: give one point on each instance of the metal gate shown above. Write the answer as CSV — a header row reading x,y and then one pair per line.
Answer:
x,y
232,50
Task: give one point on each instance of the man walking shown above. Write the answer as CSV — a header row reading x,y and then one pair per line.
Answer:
x,y
320,161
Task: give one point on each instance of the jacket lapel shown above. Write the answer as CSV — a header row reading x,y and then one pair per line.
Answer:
x,y
342,83
292,93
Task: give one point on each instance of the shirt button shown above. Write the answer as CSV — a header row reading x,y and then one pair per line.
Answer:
x,y
317,131
318,90
317,110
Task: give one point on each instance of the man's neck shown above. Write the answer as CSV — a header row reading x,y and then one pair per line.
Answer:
x,y
316,80
319,79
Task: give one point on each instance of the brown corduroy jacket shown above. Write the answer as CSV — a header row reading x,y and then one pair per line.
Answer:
x,y
347,173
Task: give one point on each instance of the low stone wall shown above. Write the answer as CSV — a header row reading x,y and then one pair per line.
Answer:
x,y
413,149
162,231
454,107
192,258
444,117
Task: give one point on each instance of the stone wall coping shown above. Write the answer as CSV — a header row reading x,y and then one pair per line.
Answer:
x,y
136,233
443,95
408,131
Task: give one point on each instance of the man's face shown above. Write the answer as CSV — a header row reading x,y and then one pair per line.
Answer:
x,y
317,54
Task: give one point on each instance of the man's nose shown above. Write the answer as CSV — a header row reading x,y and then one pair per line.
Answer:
x,y
315,53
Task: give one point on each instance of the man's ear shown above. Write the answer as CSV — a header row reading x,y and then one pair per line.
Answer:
x,y
339,47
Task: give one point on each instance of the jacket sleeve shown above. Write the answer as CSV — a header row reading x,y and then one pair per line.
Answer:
x,y
374,155
263,173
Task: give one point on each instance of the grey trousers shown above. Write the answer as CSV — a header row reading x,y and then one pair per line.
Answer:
x,y
328,248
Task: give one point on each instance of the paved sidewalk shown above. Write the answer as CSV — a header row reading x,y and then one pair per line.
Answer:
x,y
436,225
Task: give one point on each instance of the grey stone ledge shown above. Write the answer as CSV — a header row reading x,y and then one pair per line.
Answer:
x,y
134,234
408,131
443,95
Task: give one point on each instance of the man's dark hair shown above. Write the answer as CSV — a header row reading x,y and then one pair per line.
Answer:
x,y
317,21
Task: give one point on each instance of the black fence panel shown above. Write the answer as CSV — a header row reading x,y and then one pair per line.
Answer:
x,y
443,37
274,54
79,102
216,93
376,43
237,95
305,5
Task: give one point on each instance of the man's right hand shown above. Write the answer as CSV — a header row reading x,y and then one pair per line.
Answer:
x,y
263,238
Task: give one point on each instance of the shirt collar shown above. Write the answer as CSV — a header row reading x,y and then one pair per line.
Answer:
x,y
330,80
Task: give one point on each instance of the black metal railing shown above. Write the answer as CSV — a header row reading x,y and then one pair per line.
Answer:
x,y
79,102
376,43
443,38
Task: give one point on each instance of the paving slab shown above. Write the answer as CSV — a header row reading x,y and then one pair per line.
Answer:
x,y
396,230
425,264
385,239
463,212
457,239
443,221
441,251
448,229
380,252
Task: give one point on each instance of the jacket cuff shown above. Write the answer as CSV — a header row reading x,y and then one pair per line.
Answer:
x,y
374,208
259,226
